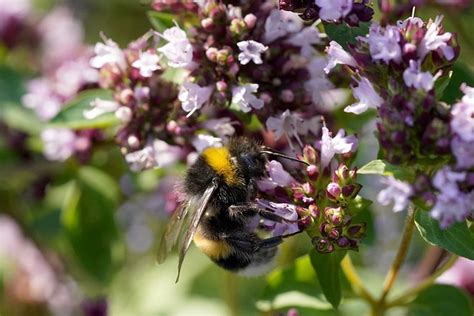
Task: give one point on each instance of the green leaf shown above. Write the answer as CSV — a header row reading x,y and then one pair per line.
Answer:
x,y
441,84
89,223
344,34
161,20
328,269
461,74
384,168
11,86
72,114
359,204
293,286
457,239
441,300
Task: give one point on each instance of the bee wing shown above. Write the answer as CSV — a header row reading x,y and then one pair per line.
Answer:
x,y
195,219
172,231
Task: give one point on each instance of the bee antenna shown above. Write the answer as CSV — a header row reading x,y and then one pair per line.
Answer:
x,y
277,154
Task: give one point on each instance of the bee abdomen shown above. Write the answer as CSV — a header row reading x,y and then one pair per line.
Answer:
x,y
249,264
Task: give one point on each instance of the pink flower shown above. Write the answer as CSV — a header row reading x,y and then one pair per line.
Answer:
x,y
384,43
433,41
337,55
42,99
414,78
367,96
461,274
277,176
281,23
58,143
155,154
251,51
108,54
334,10
193,96
178,50
201,142
462,113
337,145
147,63
244,96
397,191
288,125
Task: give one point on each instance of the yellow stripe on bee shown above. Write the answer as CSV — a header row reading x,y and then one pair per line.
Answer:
x,y
215,249
219,160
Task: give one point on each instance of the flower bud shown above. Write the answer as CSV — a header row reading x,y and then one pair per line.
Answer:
x,y
207,24
351,190
287,96
133,141
343,242
308,189
250,20
314,210
313,172
126,96
357,230
333,191
305,222
334,233
237,26
334,215
310,155
221,86
221,57
322,245
124,114
211,54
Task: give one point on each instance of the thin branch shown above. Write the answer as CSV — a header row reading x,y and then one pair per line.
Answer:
x,y
354,280
401,254
408,295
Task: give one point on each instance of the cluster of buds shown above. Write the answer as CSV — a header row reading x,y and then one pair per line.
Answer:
x,y
396,70
324,195
331,11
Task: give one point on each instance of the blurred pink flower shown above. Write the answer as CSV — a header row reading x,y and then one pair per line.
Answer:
x,y
461,275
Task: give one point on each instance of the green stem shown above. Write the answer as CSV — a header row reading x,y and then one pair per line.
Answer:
x,y
407,296
231,293
400,256
354,280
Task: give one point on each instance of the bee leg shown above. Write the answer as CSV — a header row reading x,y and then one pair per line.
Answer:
x,y
247,210
276,240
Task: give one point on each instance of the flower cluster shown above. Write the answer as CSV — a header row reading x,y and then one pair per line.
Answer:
x,y
324,197
396,70
332,11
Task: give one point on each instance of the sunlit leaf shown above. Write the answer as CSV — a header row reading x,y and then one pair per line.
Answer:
x,y
457,239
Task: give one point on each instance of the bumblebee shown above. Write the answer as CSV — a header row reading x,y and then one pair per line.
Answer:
x,y
218,190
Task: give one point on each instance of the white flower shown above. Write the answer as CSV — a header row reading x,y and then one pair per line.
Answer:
x,y
337,55
42,99
193,96
281,23
432,41
367,96
288,125
445,180
414,78
222,127
100,107
305,38
108,54
178,51
462,113
201,142
244,96
277,176
147,63
58,143
397,191
155,154
251,51
337,145
384,43
333,10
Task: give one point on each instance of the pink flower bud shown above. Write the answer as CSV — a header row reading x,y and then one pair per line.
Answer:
x,y
221,86
287,96
207,24
211,54
333,191
250,20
